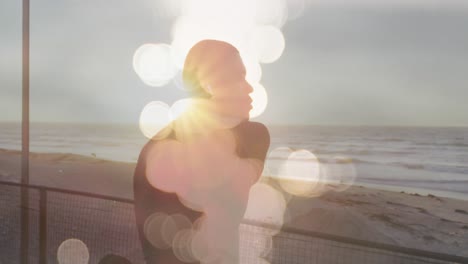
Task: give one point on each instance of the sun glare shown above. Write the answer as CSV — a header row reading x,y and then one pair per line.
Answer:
x,y
252,26
179,107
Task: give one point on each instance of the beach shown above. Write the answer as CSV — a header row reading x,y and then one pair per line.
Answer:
x,y
412,220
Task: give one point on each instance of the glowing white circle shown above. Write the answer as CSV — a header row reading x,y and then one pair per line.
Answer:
x,y
179,107
73,251
300,175
339,173
189,30
153,118
271,12
154,64
252,68
276,159
268,42
266,205
153,228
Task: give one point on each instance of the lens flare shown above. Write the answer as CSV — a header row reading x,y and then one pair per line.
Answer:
x,y
276,159
271,12
339,173
179,107
179,81
153,118
268,43
152,229
172,225
73,251
154,64
300,175
189,30
252,67
259,100
181,245
200,247
266,205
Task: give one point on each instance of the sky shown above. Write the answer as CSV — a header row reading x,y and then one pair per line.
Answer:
x,y
353,62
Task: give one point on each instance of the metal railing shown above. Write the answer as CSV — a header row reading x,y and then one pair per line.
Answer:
x,y
107,225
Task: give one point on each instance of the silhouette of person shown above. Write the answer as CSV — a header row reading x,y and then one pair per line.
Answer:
x,y
192,180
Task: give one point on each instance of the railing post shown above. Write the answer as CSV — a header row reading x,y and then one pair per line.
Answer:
x,y
24,253
43,227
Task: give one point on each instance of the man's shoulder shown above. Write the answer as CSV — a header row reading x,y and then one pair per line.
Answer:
x,y
253,129
254,139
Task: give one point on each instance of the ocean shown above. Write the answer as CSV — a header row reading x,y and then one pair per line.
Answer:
x,y
428,159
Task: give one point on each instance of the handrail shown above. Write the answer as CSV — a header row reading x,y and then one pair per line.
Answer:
x,y
363,243
66,191
287,229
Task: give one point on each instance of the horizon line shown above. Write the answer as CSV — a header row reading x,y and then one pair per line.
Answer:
x,y
266,123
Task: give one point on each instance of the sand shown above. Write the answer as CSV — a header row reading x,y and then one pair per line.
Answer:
x,y
71,172
425,222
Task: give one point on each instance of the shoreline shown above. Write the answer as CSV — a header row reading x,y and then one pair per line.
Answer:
x,y
427,222
367,183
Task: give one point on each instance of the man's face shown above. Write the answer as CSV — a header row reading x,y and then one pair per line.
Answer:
x,y
229,89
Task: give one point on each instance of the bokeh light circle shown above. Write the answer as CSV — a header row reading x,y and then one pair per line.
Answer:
x,y
276,159
189,30
266,205
259,100
152,229
252,67
182,245
271,12
178,81
172,225
300,175
179,107
186,32
154,64
339,173
200,247
153,118
268,43
73,251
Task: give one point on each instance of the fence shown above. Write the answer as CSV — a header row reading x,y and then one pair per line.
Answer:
x,y
107,225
